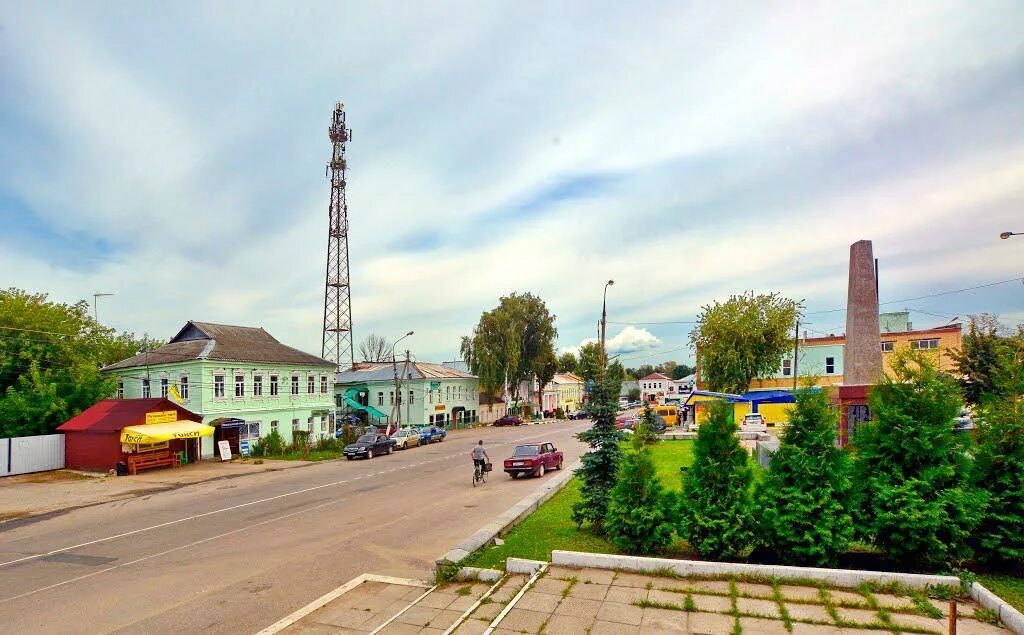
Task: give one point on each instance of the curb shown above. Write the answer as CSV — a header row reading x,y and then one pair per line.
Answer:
x,y
1009,616
514,515
690,568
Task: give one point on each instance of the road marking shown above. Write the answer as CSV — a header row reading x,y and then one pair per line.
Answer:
x,y
226,509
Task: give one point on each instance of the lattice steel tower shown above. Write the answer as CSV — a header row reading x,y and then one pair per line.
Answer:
x,y
337,341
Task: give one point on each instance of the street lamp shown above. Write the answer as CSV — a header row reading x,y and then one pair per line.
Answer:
x,y
95,296
398,387
604,315
1006,235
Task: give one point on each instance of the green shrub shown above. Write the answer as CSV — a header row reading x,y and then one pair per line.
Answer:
x,y
912,495
300,439
600,467
272,444
257,448
999,462
349,434
329,444
640,511
715,506
802,515
559,413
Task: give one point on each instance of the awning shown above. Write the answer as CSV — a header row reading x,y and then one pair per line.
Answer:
x,y
157,432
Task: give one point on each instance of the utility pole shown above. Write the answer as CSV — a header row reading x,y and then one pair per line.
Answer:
x,y
396,409
408,374
95,296
604,324
796,351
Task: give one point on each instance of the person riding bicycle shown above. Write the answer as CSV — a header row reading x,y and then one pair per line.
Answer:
x,y
479,455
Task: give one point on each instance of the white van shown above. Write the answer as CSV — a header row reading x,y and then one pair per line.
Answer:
x,y
753,422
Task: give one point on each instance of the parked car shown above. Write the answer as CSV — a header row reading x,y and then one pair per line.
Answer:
x,y
406,438
509,420
753,422
533,458
368,446
437,433
578,414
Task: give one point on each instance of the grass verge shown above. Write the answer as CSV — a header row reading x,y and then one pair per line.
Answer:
x,y
1010,588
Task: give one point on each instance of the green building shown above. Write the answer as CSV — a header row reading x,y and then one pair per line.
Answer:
x,y
428,394
240,379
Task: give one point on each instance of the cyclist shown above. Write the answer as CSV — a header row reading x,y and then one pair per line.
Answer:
x,y
480,458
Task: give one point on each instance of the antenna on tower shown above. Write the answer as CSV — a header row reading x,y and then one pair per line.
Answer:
x,y
337,340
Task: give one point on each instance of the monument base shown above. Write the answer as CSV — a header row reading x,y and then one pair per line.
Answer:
x,y
853,410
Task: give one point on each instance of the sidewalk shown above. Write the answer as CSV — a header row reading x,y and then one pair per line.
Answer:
x,y
29,495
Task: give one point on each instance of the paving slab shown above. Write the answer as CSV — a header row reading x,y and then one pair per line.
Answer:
x,y
612,628
522,620
709,623
818,629
625,595
793,592
847,597
815,612
418,615
708,586
974,627
578,607
540,602
620,613
596,576
488,611
550,585
589,591
666,597
712,603
633,580
754,590
763,626
764,608
660,620
569,625
858,616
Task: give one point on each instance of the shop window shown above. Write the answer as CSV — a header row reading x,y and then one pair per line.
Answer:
x,y
924,345
183,382
120,388
887,347
295,384
323,384
145,389
257,385
787,367
218,385
239,385
830,365
273,385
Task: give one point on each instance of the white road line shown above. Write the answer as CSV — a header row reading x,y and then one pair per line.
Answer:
x,y
224,509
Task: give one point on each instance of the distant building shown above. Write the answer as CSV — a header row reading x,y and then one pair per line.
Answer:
x,y
239,379
654,388
435,394
491,409
565,391
628,386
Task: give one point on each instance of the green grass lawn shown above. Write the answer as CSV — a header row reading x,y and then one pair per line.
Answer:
x,y
1007,587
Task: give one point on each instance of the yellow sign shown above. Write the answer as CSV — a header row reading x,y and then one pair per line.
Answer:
x,y
157,432
165,416
439,406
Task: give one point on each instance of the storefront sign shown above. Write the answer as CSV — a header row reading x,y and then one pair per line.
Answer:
x,y
164,416
225,450
439,407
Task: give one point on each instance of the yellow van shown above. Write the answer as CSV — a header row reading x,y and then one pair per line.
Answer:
x,y
669,413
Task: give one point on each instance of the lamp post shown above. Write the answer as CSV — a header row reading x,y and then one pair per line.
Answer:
x,y
398,385
604,316
96,296
1006,235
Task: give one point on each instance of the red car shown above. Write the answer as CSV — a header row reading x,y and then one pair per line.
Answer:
x,y
533,458
509,420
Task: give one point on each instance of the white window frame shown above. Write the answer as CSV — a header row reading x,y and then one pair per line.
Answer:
x,y
218,386
888,346
787,367
183,386
295,385
323,384
120,388
146,393
831,364
295,425
239,385
257,385
380,398
273,426
929,344
165,385
275,384
310,384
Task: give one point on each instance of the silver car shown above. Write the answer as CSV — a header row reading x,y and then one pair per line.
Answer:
x,y
406,438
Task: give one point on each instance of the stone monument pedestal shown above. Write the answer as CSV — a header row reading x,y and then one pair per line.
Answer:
x,y
853,410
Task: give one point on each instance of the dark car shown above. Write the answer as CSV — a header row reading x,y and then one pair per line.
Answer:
x,y
431,434
369,445
533,458
578,414
509,420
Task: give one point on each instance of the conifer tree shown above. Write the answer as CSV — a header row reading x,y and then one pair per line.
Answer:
x,y
911,470
715,508
640,511
999,461
803,517
601,464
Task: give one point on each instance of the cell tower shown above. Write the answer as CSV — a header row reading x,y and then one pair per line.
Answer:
x,y
337,341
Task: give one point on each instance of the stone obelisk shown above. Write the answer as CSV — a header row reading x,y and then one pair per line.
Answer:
x,y
862,354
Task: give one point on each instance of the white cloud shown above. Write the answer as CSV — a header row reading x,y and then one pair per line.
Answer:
x,y
629,340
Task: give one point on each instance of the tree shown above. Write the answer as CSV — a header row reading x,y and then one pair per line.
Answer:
x,y
600,467
979,355
682,370
715,507
999,460
508,342
742,338
544,370
375,348
911,470
803,516
567,362
591,362
50,360
640,513
634,394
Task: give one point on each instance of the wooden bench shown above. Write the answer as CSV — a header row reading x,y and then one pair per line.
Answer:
x,y
138,462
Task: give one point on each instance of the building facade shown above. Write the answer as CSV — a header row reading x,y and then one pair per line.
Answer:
x,y
565,391
655,387
239,379
433,394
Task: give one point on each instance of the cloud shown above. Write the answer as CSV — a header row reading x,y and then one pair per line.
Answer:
x,y
629,340
177,160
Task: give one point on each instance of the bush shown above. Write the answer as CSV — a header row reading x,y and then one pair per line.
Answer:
x,y
272,444
802,514
999,462
715,508
559,413
640,513
349,434
329,444
912,495
600,468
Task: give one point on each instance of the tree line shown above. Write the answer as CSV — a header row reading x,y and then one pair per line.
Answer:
x,y
50,359
927,497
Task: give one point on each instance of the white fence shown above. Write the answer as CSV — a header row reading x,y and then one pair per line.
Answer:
x,y
21,455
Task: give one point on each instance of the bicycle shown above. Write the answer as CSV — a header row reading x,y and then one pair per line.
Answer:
x,y
479,474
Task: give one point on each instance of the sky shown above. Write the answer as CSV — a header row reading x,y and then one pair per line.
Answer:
x,y
173,155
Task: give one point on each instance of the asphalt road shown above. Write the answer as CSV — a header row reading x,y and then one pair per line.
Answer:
x,y
233,556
